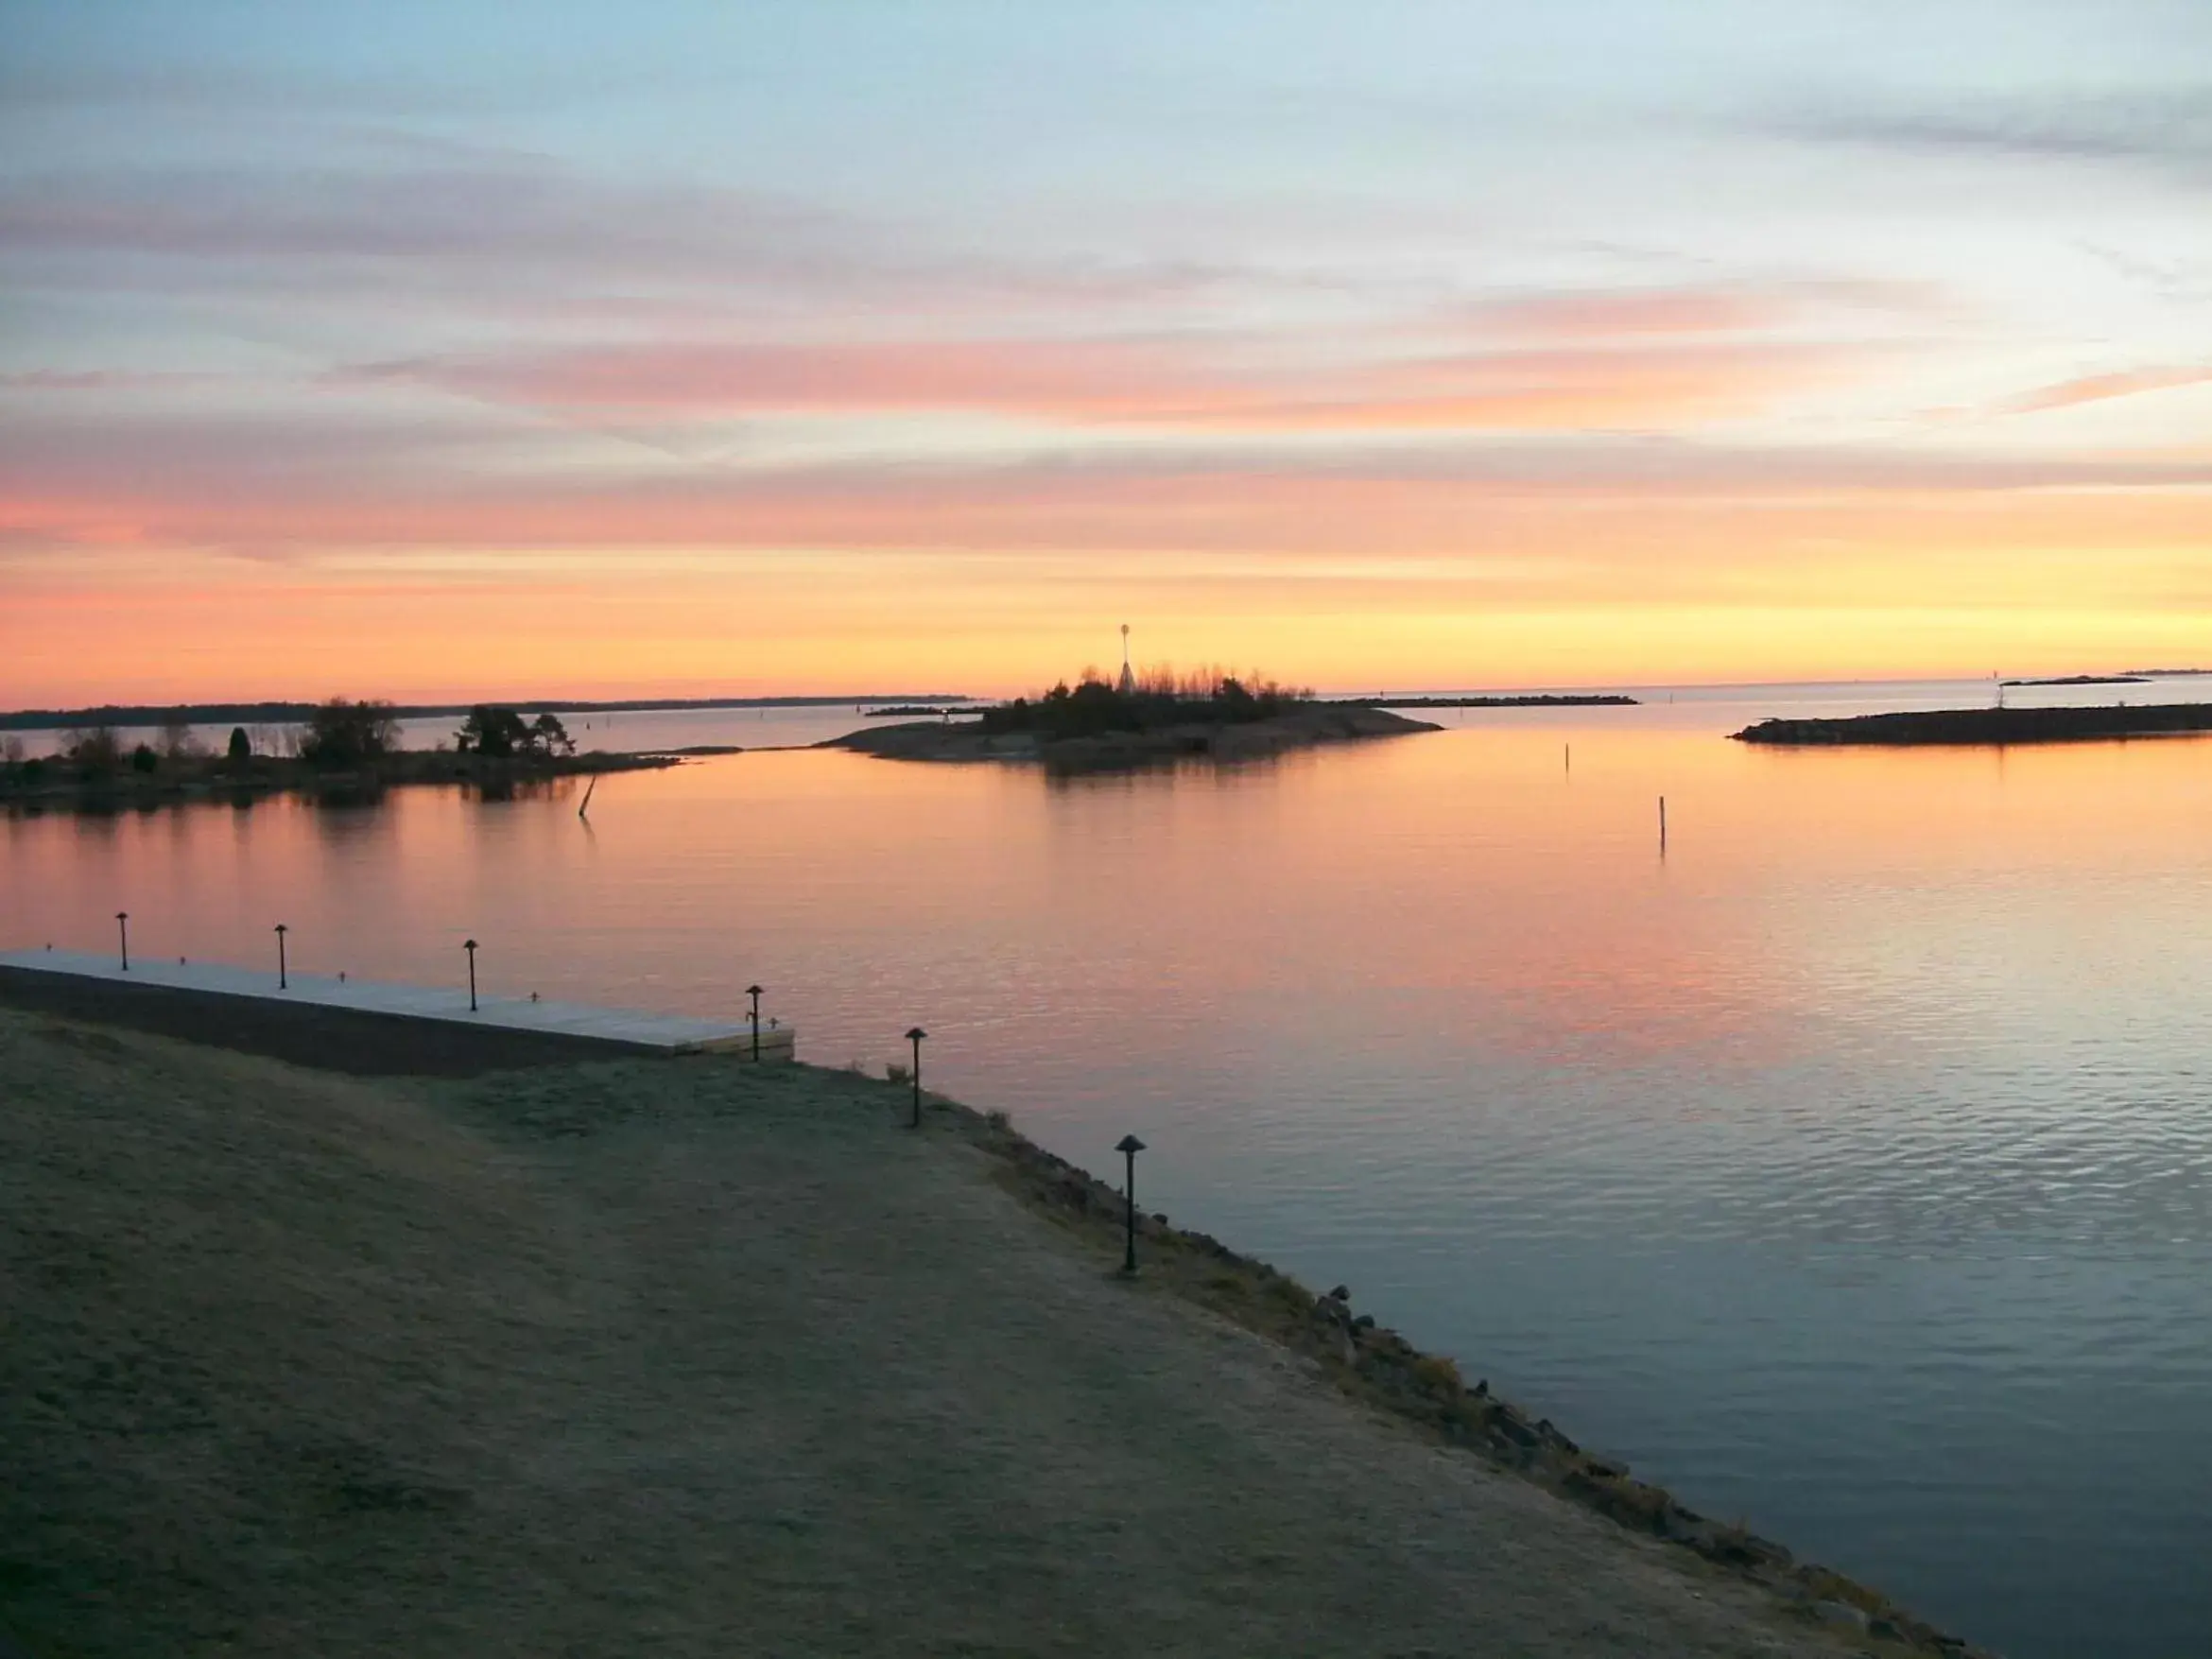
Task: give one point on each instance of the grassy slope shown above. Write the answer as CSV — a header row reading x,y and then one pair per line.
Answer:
x,y
684,1358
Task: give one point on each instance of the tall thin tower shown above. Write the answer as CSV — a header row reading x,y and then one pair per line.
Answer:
x,y
1128,682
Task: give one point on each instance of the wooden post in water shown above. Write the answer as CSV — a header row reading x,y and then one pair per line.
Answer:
x,y
1662,823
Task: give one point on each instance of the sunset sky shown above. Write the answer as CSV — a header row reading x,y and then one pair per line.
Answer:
x,y
430,349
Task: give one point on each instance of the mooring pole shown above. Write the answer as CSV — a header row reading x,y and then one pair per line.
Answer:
x,y
1129,1146
1663,823
282,982
754,992
471,947
123,931
915,1037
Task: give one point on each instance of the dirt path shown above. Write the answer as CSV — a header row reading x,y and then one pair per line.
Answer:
x,y
684,1358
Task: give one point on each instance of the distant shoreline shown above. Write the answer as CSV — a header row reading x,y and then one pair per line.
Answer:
x,y
249,714
1525,701
1986,727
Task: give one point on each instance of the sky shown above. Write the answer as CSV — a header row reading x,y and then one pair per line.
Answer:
x,y
477,349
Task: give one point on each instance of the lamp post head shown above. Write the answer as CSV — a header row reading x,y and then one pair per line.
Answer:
x,y
468,945
281,928
122,915
916,1034
752,991
1129,1146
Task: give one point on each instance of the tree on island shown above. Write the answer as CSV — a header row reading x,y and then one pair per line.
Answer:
x,y
344,733
500,733
1159,698
241,746
178,743
98,751
550,736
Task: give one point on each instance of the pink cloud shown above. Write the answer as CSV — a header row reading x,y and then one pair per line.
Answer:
x,y
1143,382
1648,311
2092,388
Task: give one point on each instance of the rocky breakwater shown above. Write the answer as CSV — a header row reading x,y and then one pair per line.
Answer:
x,y
1305,727
1934,727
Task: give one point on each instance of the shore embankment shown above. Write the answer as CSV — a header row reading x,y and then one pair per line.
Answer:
x,y
530,1362
1937,727
62,784
1308,726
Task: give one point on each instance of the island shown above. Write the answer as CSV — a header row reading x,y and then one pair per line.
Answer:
x,y
1095,726
346,752
2085,679
1991,726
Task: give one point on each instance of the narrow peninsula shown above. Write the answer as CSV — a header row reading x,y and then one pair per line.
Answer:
x,y
1157,720
1963,727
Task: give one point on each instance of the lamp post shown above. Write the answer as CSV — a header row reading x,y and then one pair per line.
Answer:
x,y
754,992
1129,1146
470,947
123,931
282,982
915,1037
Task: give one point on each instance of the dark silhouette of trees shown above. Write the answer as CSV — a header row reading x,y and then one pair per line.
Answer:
x,y
493,733
344,733
98,750
241,746
1093,708
550,736
500,733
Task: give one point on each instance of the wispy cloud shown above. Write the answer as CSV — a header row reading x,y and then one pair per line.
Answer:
x,y
371,487
2170,128
527,225
1611,312
1142,381
2091,389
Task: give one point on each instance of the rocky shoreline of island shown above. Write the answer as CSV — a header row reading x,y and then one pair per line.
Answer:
x,y
1303,726
1934,727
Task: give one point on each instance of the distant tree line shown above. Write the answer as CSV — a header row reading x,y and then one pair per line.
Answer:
x,y
1161,697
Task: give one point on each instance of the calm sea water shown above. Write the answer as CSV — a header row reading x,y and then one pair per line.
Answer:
x,y
1844,1166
